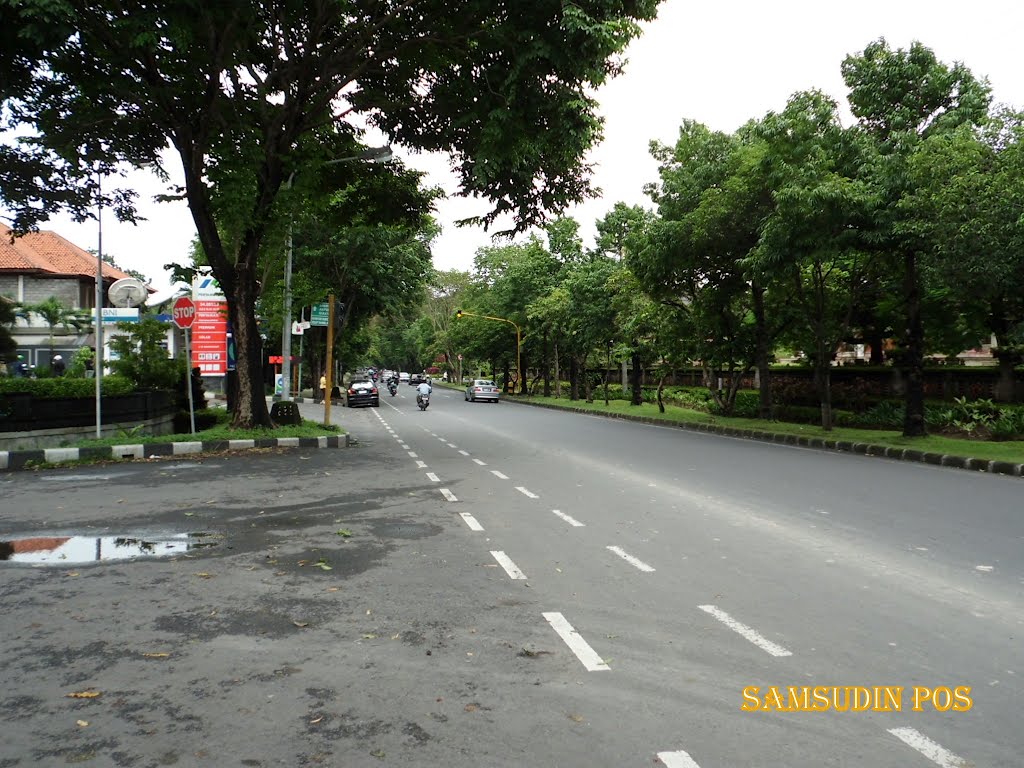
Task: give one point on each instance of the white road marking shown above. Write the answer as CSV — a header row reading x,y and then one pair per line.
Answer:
x,y
742,629
413,455
448,494
499,475
433,478
482,464
587,655
937,754
984,568
570,520
510,568
442,440
464,453
452,445
679,759
404,446
631,560
471,521
527,493
421,464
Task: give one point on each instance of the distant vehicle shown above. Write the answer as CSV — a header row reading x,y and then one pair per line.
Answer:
x,y
362,392
417,378
482,389
403,376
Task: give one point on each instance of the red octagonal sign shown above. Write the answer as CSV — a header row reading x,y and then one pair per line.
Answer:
x,y
184,312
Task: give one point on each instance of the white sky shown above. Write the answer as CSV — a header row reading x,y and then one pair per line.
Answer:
x,y
718,63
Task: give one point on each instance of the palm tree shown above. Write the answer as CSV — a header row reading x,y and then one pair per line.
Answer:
x,y
54,313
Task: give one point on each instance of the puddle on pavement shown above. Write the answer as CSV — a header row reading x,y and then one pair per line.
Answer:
x,y
66,550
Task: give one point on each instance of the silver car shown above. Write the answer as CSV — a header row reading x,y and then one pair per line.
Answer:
x,y
482,389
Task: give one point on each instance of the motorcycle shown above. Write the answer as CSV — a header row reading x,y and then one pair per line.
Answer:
x,y
392,388
423,401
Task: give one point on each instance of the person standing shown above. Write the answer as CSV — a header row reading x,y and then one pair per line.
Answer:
x,y
323,388
57,365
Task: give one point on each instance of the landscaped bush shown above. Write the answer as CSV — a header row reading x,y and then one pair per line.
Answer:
x,y
66,387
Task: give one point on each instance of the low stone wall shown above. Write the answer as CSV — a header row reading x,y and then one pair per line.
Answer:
x,y
59,437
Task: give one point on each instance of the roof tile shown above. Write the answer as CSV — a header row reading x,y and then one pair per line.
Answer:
x,y
48,253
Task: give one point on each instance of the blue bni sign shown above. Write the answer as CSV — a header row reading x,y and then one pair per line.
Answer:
x,y
120,315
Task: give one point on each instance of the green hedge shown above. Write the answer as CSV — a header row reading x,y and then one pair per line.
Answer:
x,y
65,387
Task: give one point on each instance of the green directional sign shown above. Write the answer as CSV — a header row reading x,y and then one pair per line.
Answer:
x,y
320,314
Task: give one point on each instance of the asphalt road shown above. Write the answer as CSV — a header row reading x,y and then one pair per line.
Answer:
x,y
499,585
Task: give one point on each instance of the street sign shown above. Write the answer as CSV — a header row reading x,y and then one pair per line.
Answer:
x,y
297,328
183,312
320,314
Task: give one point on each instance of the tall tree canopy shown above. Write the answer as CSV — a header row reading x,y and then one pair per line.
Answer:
x,y
239,87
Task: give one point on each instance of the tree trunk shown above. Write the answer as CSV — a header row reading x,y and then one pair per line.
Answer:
x,y
547,365
588,390
913,354
762,355
574,380
637,393
874,339
823,383
661,390
1006,382
558,373
251,405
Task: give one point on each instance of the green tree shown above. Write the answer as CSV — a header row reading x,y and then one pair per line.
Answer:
x,y
7,317
141,356
54,313
901,98
239,90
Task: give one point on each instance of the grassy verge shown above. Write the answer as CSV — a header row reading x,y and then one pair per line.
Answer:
x,y
1012,450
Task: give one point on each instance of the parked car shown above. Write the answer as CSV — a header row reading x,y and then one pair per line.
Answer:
x,y
362,392
482,389
403,376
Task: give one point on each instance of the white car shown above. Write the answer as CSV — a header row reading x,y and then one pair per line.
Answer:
x,y
482,389
403,377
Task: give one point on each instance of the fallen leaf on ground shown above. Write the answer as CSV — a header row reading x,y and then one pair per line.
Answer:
x,y
369,636
314,722
379,754
343,532
301,624
82,723
160,655
204,575
82,695
396,636
189,514
333,589
470,707
72,574
576,718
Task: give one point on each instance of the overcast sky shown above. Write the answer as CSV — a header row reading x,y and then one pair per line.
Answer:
x,y
718,63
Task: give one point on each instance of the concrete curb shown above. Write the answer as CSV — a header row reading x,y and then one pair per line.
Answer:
x,y
11,460
864,449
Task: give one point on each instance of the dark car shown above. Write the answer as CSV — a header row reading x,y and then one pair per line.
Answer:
x,y
362,392
416,378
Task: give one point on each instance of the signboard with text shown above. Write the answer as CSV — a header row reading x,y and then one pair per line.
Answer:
x,y
210,327
320,314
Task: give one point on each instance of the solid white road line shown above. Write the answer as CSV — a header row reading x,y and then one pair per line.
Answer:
x,y
761,642
433,478
471,521
464,453
677,760
570,520
937,754
631,560
448,494
481,463
421,464
413,455
527,493
499,475
510,568
587,655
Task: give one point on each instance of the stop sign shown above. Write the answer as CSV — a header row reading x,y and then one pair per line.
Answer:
x,y
183,312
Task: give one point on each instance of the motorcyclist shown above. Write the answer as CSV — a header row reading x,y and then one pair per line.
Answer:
x,y
422,390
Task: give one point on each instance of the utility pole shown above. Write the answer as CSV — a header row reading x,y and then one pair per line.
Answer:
x,y
330,360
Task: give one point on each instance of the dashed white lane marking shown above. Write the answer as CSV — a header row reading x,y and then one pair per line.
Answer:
x,y
587,655
481,463
448,494
983,568
528,494
742,629
464,453
570,520
934,752
471,521
433,478
413,455
631,560
404,446
678,759
451,445
510,568
421,464
499,475
442,440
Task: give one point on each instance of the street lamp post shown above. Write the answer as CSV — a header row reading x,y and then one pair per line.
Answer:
x,y
369,155
98,357
519,343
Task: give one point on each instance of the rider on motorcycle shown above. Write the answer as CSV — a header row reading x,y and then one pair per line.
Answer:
x,y
422,389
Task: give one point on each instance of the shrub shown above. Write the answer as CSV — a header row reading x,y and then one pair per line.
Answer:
x,y
66,387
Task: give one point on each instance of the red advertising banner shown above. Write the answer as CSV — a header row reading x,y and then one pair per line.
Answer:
x,y
209,331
